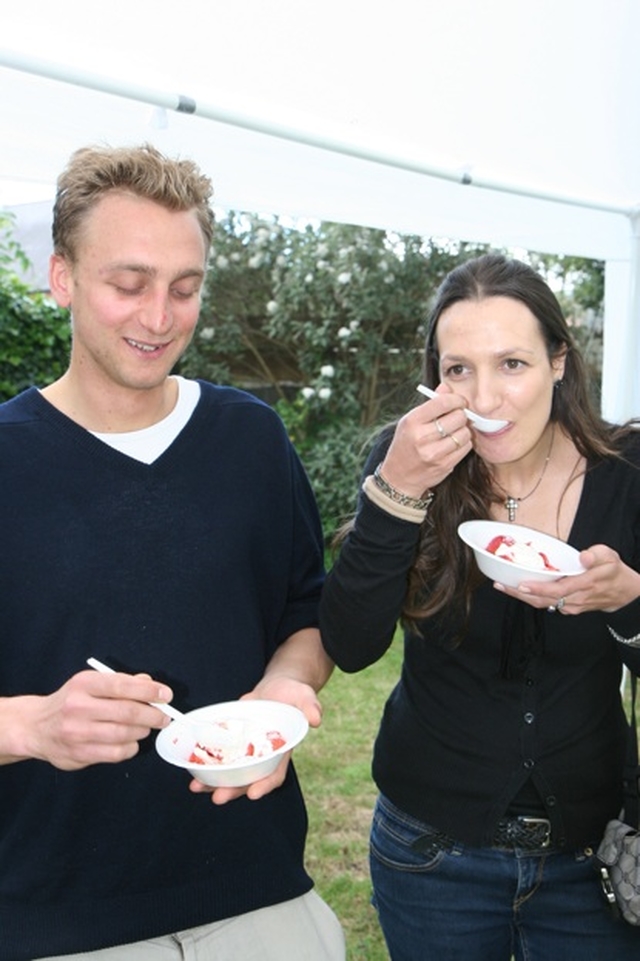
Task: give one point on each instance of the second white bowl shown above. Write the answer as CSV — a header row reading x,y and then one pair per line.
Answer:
x,y
564,559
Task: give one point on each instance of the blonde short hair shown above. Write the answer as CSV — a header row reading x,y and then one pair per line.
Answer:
x,y
141,170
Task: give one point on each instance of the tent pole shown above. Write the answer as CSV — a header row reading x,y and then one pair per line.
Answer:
x,y
621,338
310,137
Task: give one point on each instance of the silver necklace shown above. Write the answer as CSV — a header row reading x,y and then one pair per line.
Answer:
x,y
511,504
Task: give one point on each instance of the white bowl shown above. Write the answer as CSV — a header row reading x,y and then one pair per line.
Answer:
x,y
175,743
479,534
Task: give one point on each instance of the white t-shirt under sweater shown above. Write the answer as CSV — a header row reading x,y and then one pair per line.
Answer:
x,y
147,444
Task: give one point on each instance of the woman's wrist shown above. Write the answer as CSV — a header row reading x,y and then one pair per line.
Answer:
x,y
390,506
399,497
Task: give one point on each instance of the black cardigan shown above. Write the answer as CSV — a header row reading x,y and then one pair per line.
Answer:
x,y
459,739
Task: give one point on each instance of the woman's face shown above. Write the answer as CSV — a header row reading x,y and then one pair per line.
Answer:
x,y
493,353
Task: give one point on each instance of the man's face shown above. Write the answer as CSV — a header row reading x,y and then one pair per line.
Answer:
x,y
133,291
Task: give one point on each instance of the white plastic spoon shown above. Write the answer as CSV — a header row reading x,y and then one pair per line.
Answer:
x,y
198,729
165,708
172,712
485,424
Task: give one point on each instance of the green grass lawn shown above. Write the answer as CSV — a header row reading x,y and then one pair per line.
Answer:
x,y
333,764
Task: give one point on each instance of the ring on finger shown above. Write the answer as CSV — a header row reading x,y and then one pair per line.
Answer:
x,y
455,440
557,606
440,428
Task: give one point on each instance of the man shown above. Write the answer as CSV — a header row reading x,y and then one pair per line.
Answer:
x,y
166,527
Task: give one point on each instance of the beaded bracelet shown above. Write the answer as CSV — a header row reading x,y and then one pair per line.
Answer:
x,y
419,503
632,641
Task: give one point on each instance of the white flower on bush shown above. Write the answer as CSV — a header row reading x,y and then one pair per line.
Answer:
x,y
255,261
262,235
281,260
353,325
328,370
236,257
207,333
272,307
344,333
322,250
307,392
322,264
324,393
221,261
344,277
308,279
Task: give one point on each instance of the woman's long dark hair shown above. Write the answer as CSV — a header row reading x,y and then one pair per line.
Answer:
x,y
444,573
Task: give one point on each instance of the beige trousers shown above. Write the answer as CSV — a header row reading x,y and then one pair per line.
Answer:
x,y
305,929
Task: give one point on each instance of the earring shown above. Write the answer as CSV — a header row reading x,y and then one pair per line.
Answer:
x,y
557,383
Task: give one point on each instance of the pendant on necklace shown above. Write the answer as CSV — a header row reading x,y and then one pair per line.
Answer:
x,y
511,505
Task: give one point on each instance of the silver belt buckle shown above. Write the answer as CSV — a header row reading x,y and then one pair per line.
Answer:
x,y
537,822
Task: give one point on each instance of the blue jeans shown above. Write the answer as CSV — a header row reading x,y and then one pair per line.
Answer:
x,y
449,902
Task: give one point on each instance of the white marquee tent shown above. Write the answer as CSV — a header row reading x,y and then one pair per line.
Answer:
x,y
513,122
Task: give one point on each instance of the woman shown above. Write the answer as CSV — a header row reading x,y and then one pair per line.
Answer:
x,y
500,752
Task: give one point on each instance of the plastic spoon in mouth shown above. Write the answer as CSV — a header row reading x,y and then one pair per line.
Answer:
x,y
485,424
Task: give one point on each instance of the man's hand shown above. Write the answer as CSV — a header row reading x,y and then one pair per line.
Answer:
x,y
93,718
298,669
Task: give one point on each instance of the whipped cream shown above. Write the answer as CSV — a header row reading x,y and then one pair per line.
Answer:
x,y
522,553
234,740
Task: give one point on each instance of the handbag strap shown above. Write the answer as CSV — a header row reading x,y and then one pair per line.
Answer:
x,y
632,770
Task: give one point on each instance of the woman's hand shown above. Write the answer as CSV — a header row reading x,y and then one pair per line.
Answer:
x,y
607,585
428,443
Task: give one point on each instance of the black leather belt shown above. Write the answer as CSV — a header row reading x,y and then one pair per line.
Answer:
x,y
528,833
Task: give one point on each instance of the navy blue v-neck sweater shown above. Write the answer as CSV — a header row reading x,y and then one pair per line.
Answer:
x,y
193,569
